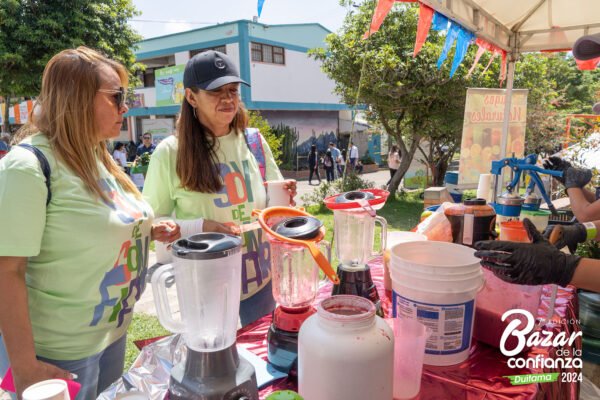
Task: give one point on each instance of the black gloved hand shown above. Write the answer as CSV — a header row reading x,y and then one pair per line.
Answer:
x,y
557,164
566,235
536,263
576,177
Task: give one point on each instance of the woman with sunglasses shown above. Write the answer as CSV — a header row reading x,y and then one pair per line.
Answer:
x,y
210,179
71,269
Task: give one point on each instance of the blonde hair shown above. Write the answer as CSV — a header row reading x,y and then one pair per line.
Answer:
x,y
64,112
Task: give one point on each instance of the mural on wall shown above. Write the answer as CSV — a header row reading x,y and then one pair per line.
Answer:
x,y
301,129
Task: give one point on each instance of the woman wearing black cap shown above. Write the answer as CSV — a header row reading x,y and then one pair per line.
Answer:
x,y
208,176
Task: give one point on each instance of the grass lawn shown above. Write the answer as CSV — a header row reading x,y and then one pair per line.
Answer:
x,y
402,213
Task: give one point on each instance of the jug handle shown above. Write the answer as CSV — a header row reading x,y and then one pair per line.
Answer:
x,y
323,263
383,222
161,301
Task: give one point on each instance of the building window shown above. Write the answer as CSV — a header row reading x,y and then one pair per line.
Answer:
x,y
222,49
268,54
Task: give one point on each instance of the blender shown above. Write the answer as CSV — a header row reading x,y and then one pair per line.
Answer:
x,y
354,219
207,272
295,238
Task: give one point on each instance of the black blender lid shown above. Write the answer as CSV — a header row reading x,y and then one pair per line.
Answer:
x,y
475,202
206,246
351,197
298,227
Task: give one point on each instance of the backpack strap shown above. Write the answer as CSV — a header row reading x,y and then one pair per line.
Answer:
x,y
43,163
254,142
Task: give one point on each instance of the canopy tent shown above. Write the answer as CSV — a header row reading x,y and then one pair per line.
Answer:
x,y
519,26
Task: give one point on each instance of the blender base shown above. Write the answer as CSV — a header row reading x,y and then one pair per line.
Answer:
x,y
282,349
357,281
217,375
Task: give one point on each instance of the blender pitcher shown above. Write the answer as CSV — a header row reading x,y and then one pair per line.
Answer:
x,y
354,232
207,272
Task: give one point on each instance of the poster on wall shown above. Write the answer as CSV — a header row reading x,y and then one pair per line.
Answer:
x,y
160,128
482,131
169,85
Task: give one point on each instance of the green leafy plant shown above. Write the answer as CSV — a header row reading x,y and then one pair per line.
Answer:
x,y
326,189
274,141
144,159
589,249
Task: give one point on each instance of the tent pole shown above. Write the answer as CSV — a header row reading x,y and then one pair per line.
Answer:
x,y
506,121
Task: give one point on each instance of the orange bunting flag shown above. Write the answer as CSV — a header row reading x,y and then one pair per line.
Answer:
x,y
425,18
483,46
382,10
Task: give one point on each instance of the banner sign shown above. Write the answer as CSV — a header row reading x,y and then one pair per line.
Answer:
x,y
169,85
482,131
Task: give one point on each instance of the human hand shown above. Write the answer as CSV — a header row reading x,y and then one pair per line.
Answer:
x,y
566,235
165,231
291,188
535,263
213,226
37,372
576,177
555,163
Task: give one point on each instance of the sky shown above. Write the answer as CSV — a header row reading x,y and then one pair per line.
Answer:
x,y
182,15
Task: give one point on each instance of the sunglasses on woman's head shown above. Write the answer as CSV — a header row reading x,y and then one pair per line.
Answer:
x,y
119,95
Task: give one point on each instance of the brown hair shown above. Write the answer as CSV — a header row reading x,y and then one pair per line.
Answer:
x,y
64,112
197,161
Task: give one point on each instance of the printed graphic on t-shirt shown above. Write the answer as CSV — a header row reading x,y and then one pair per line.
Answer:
x,y
125,282
235,196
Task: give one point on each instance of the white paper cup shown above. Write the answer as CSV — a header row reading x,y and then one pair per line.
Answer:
x,y
51,389
277,194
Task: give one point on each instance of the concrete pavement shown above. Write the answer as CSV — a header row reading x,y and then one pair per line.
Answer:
x,y
146,303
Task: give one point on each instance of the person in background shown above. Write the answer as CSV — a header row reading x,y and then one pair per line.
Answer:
x,y
74,260
131,151
359,167
393,161
341,163
147,146
335,154
208,176
120,155
539,262
313,164
329,164
353,156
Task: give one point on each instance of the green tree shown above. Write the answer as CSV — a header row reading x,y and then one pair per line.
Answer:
x,y
258,122
32,31
400,92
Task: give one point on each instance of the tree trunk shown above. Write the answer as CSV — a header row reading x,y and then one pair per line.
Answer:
x,y
404,165
5,121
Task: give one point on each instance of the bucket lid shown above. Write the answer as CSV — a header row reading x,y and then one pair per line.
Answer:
x,y
298,227
206,246
475,202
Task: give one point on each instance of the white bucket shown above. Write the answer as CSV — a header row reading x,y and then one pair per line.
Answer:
x,y
436,283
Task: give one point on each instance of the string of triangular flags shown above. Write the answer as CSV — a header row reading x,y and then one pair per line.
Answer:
x,y
457,36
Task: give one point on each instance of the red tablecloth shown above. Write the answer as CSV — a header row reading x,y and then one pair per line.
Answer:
x,y
479,377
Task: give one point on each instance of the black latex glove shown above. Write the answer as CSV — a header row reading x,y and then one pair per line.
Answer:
x,y
536,263
557,164
566,235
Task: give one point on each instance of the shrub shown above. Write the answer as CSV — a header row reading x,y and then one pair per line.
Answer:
x,y
326,189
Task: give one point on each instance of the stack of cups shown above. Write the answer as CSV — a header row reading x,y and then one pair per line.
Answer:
x,y
409,349
51,389
393,238
484,187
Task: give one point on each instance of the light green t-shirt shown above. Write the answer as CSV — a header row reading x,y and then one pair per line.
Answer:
x,y
87,259
242,192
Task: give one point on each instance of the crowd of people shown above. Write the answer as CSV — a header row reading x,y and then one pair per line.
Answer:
x,y
334,161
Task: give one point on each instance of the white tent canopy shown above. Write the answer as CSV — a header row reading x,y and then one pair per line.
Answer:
x,y
519,26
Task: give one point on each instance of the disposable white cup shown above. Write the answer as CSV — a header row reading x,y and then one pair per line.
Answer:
x,y
277,194
409,350
51,389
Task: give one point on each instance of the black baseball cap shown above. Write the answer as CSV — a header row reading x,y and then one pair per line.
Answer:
x,y
210,70
587,47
